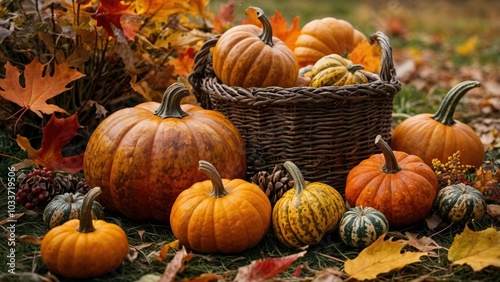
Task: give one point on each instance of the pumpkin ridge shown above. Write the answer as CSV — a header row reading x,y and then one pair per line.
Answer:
x,y
229,205
317,224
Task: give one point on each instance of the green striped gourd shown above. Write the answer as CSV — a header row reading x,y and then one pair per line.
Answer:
x,y
67,206
361,226
335,70
460,203
304,214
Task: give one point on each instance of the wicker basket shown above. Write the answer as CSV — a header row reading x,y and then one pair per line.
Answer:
x,y
325,131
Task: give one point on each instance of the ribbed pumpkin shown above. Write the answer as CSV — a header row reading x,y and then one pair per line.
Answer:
x,y
303,215
248,56
399,185
438,136
334,70
143,157
83,248
67,206
326,36
460,203
220,215
361,226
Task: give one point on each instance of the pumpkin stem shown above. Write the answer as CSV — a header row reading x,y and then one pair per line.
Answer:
x,y
355,68
171,101
391,165
447,108
267,30
209,170
297,176
86,209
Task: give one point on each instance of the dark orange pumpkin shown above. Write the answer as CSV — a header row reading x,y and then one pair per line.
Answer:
x,y
249,56
143,157
439,136
399,185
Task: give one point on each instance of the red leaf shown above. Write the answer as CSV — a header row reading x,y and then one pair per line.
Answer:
x,y
223,19
56,134
265,269
109,12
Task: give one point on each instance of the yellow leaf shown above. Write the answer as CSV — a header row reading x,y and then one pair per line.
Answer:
x,y
380,257
164,250
468,46
477,249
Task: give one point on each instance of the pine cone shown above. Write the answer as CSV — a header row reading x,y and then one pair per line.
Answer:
x,y
274,184
40,185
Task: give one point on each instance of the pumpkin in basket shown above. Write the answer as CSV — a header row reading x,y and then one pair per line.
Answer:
x,y
248,56
439,136
220,215
143,157
326,36
399,185
304,214
334,70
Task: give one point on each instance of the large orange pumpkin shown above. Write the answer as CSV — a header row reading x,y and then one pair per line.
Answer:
x,y
399,185
326,36
249,56
439,136
143,157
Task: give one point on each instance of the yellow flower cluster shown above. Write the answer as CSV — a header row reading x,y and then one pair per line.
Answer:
x,y
451,172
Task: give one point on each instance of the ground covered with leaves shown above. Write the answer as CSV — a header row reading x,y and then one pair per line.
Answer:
x,y
433,50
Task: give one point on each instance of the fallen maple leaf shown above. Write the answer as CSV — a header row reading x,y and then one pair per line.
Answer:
x,y
367,55
278,25
380,257
37,88
423,244
176,265
265,269
184,62
56,134
469,46
478,249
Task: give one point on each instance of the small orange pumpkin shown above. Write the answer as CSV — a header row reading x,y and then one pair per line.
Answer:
x,y
399,185
248,56
439,136
220,215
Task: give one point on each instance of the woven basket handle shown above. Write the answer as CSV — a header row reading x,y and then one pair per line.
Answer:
x,y
202,68
387,70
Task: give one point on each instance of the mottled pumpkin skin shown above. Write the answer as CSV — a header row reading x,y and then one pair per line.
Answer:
x,y
303,218
326,36
231,224
404,197
241,58
361,226
460,203
142,162
334,70
66,207
73,254
429,139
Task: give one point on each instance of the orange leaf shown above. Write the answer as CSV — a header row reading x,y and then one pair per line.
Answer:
x,y
261,270
184,62
198,7
164,250
367,55
37,88
223,19
279,26
56,134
